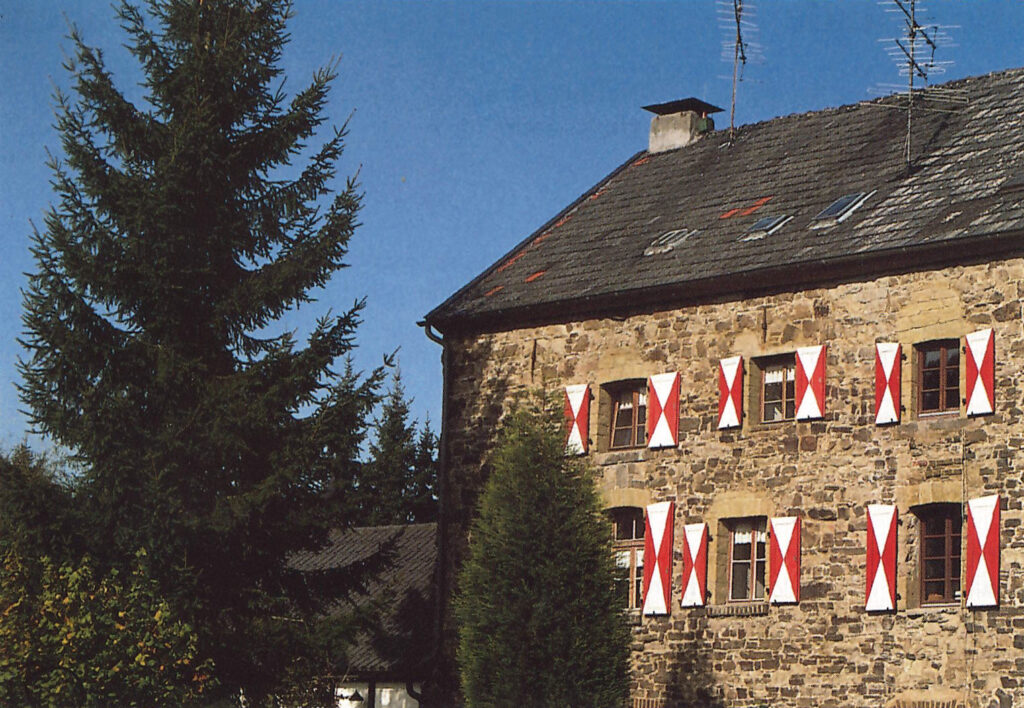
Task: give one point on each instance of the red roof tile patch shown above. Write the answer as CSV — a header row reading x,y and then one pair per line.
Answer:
x,y
493,290
511,260
531,278
757,205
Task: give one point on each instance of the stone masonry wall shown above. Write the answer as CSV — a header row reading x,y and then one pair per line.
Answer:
x,y
826,651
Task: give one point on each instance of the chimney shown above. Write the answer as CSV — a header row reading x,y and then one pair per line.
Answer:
x,y
679,123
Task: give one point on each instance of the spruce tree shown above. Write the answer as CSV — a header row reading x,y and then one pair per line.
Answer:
x,y
540,622
179,236
397,485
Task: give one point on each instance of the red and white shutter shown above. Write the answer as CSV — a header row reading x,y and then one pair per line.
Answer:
x,y
810,382
658,557
981,372
730,392
695,564
577,418
663,410
881,568
888,358
983,552
784,560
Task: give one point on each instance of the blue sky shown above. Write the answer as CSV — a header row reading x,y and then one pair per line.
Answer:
x,y
473,123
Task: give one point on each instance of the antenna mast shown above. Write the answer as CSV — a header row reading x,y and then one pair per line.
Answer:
x,y
734,16
739,54
914,54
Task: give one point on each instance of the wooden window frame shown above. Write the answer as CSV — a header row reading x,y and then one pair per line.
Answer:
x,y
758,524
784,363
637,428
634,545
952,554
943,346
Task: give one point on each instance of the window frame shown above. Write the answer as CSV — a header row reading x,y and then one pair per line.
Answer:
x,y
758,524
637,428
952,555
634,546
944,346
784,363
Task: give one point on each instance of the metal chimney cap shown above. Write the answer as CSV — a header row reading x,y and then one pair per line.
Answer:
x,y
685,104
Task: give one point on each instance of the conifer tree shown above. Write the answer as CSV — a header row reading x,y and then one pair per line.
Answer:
x,y
179,236
397,483
540,622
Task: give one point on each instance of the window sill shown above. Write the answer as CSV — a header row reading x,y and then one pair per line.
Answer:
x,y
745,609
939,414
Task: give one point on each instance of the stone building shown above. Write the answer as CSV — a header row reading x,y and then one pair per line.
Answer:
x,y
797,360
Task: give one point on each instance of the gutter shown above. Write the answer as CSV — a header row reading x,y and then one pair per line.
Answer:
x,y
440,572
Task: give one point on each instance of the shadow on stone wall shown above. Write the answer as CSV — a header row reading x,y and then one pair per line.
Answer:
x,y
691,683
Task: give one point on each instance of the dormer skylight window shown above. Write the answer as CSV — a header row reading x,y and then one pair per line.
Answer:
x,y
839,210
667,241
765,226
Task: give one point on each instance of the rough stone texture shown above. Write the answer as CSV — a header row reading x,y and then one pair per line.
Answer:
x,y
826,651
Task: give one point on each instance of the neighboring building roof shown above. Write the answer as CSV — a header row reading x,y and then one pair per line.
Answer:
x,y
590,258
404,588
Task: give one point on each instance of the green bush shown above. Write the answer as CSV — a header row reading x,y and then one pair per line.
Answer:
x,y
540,623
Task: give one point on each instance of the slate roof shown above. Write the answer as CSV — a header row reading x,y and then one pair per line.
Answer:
x,y
589,259
405,585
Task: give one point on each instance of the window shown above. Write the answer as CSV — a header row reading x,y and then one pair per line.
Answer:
x,y
748,544
667,241
940,525
628,527
765,226
629,415
838,210
938,368
778,389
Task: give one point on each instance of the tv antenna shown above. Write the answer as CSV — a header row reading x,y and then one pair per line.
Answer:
x,y
735,17
914,55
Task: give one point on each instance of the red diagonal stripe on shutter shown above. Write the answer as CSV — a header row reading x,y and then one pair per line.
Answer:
x,y
793,560
665,555
872,561
654,409
980,345
649,555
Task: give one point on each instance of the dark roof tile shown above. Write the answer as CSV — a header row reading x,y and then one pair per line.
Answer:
x,y
803,162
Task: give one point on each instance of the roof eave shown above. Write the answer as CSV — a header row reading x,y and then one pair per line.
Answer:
x,y
747,284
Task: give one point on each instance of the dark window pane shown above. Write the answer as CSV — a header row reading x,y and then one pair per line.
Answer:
x,y
952,379
935,548
953,356
935,523
934,569
759,580
790,409
741,551
930,379
740,581
929,400
932,358
772,411
622,438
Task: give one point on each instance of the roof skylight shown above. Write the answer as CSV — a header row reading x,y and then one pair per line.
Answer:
x,y
667,241
838,210
765,225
